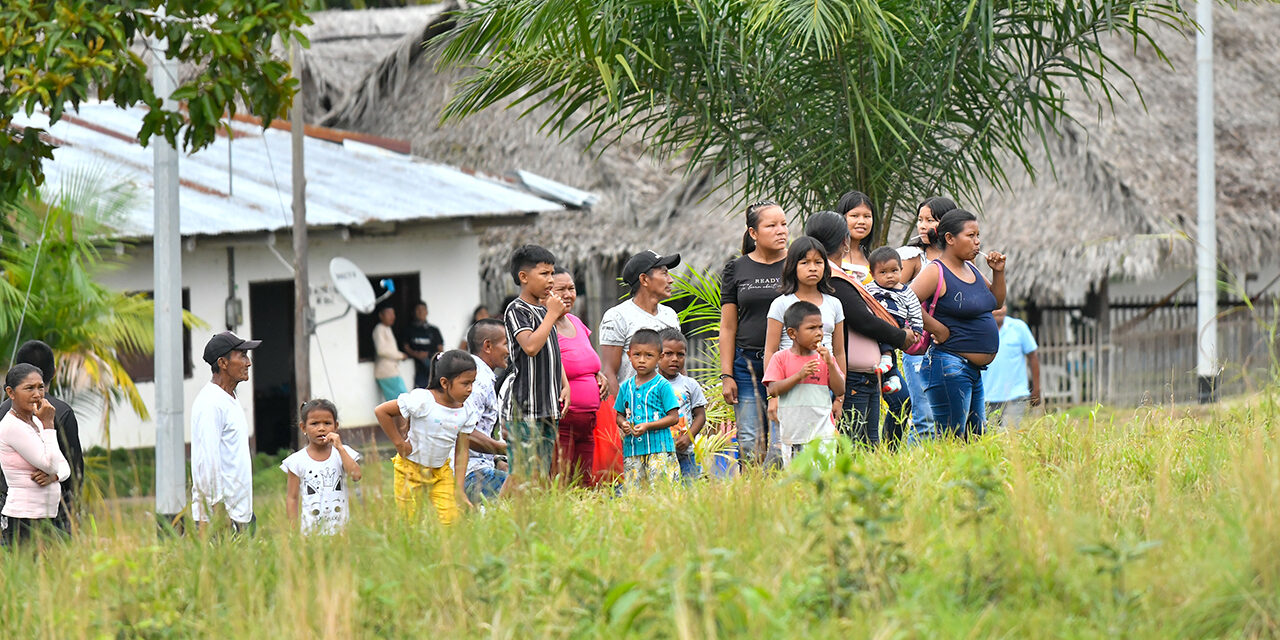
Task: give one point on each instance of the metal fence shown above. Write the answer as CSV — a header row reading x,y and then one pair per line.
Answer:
x,y
1150,357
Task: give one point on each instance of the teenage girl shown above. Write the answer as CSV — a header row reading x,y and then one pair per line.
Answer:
x,y
806,276
322,467
437,424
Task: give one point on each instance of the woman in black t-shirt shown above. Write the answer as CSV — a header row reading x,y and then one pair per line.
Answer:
x,y
747,287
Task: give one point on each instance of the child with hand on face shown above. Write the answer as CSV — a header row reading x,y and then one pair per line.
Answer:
x,y
647,409
317,488
801,380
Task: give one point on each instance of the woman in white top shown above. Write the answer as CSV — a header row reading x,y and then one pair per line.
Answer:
x,y
33,466
647,273
918,252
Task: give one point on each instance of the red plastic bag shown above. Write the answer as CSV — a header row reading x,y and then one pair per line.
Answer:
x,y
607,461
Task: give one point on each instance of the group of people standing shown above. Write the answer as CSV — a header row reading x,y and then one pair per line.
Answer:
x,y
928,300
809,339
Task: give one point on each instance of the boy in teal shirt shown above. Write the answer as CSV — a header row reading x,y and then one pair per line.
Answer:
x,y
647,409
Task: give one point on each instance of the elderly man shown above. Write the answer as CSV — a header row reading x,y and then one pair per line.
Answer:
x,y
221,467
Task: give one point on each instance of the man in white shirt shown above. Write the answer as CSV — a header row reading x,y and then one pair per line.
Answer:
x,y
221,467
647,273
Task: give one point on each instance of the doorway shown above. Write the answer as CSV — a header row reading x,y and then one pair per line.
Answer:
x,y
275,405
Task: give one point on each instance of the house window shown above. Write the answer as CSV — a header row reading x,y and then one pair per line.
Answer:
x,y
407,294
141,367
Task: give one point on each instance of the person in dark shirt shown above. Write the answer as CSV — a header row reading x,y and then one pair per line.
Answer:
x,y
39,354
424,341
748,286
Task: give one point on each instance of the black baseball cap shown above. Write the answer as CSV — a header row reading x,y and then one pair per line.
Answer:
x,y
226,342
644,262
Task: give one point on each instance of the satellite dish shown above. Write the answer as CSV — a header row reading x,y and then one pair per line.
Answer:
x,y
351,283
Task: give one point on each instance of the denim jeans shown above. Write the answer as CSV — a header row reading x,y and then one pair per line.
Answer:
x,y
954,387
483,484
688,465
748,369
921,414
861,421
898,412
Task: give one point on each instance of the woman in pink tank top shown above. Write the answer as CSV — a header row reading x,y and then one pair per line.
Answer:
x,y
575,446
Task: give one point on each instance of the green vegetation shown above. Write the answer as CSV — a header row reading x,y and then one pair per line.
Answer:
x,y
802,100
53,250
55,54
1154,524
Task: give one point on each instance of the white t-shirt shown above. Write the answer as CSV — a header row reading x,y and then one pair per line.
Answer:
x,y
433,427
221,467
623,321
689,394
322,490
483,403
832,312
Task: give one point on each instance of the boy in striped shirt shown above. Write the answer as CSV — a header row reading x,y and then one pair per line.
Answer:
x,y
536,390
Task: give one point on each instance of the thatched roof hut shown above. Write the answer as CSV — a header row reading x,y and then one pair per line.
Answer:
x,y
1118,199
643,203
1123,201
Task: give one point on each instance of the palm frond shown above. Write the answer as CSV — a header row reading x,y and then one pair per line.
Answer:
x,y
802,100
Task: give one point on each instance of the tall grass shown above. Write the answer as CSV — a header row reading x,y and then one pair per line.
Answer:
x,y
1158,523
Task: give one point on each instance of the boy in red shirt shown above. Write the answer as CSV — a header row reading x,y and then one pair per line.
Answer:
x,y
801,380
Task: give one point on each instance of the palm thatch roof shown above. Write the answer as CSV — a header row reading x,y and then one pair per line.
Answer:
x,y
1119,199
644,203
346,44
1115,195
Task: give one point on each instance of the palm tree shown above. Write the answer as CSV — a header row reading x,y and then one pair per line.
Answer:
x,y
801,100
51,252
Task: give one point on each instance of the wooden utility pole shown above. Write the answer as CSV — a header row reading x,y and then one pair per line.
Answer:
x,y
301,285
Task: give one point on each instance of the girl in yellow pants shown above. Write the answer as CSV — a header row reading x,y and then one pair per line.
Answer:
x,y
437,424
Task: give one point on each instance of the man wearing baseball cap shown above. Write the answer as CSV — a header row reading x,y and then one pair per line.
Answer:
x,y
221,467
646,274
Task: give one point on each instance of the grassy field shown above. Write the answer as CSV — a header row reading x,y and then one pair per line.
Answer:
x,y
1156,523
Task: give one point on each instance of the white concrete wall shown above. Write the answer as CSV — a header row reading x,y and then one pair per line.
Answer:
x,y
445,256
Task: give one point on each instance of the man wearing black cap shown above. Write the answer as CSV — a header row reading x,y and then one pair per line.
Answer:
x,y
221,467
646,274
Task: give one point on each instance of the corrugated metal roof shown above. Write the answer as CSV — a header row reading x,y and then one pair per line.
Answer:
x,y
348,185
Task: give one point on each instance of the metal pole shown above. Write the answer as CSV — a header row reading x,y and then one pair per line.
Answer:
x,y
171,465
1207,237
301,285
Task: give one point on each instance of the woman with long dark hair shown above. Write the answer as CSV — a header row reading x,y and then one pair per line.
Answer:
x,y
855,206
866,324
966,337
917,254
748,286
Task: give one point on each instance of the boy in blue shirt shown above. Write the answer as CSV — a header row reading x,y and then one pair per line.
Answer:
x,y
647,409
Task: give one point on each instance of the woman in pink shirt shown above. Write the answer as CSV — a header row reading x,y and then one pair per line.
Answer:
x,y
575,446
33,465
